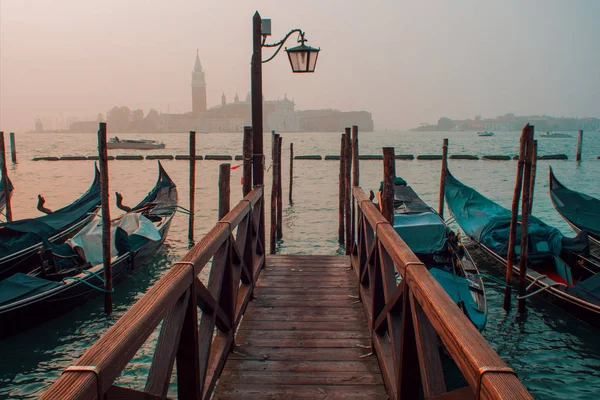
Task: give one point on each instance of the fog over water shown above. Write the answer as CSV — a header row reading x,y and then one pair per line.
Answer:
x,y
407,62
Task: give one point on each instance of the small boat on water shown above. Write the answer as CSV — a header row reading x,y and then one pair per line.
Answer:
x,y
558,268
137,144
439,248
72,273
21,240
485,133
582,212
555,135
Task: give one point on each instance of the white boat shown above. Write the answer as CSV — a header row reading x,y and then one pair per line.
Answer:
x,y
486,133
137,144
556,135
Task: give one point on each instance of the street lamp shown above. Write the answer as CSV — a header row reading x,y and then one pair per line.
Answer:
x,y
303,59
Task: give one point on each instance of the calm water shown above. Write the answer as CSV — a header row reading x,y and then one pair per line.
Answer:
x,y
555,355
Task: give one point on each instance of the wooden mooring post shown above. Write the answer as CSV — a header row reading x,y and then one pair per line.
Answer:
x,y
274,194
389,176
247,154
533,172
224,189
192,186
104,197
13,148
579,145
279,190
525,204
355,177
291,173
5,180
443,175
348,190
342,191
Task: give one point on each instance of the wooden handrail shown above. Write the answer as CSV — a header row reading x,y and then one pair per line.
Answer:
x,y
94,372
405,304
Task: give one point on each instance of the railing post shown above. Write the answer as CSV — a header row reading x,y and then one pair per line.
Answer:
x,y
389,176
189,384
348,191
104,193
291,172
525,220
192,186
355,178
5,180
279,191
247,155
443,175
342,191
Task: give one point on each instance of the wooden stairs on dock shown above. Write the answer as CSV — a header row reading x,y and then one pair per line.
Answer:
x,y
305,335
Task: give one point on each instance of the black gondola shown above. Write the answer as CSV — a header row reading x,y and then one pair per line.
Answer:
x,y
21,241
72,273
558,268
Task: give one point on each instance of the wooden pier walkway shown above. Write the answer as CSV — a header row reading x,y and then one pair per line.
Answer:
x,y
303,336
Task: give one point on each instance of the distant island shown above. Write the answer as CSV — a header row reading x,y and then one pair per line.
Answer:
x,y
279,115
511,122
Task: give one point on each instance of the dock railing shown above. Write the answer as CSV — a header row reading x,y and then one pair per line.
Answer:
x,y
406,317
200,350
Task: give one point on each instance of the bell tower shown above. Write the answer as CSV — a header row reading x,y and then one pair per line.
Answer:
x,y
198,88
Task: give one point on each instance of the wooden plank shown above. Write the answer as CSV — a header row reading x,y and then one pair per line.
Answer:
x,y
245,334
300,392
255,341
300,314
303,378
303,366
305,326
275,279
276,290
298,354
121,393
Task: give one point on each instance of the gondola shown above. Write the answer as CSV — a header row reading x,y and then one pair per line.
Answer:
x,y
73,272
3,194
440,250
21,240
558,267
582,212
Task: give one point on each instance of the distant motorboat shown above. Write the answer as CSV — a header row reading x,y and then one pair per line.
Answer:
x,y
556,135
137,144
486,133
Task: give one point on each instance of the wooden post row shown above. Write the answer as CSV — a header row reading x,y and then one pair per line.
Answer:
x,y
247,154
279,191
104,196
443,175
13,147
348,190
512,237
342,192
5,180
192,185
291,171
389,176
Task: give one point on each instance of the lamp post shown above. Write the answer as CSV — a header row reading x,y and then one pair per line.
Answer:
x,y
303,59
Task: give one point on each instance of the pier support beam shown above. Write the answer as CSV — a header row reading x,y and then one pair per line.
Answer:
x,y
342,190
192,186
274,193
224,189
247,156
104,196
291,173
443,175
355,178
389,176
13,148
279,190
579,145
348,190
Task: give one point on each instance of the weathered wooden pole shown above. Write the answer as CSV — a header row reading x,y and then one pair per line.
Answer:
x,y
291,172
5,180
224,189
104,198
512,237
274,198
348,191
192,185
579,145
13,148
355,177
525,220
443,175
342,191
279,190
247,155
533,172
389,176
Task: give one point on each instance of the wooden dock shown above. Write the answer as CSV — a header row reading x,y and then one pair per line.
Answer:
x,y
303,336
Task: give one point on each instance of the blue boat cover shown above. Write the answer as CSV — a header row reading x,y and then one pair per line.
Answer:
x,y
424,233
581,210
489,223
20,286
457,288
21,234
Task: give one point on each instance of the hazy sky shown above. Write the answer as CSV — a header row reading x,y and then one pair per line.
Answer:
x,y
405,61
